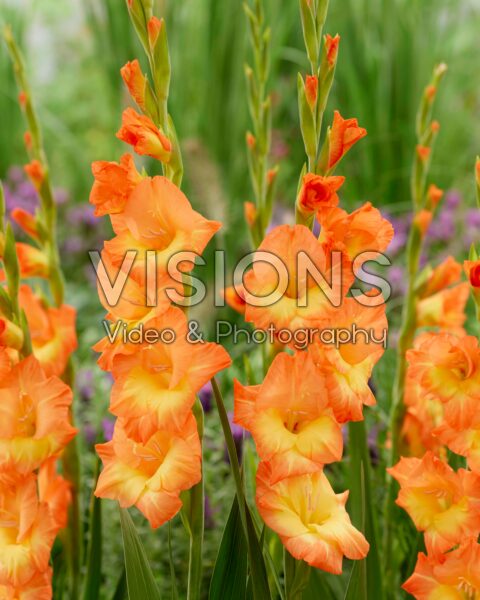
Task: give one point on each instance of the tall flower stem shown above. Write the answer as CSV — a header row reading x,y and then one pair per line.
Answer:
x,y
426,134
47,225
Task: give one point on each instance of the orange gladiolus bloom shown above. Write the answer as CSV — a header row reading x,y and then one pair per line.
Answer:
x,y
35,172
435,194
310,519
344,134
453,576
363,230
444,275
141,132
33,262
290,417
158,217
39,587
318,192
34,417
442,503
235,298
52,331
27,531
135,81
287,245
151,475
422,220
114,182
448,367
465,442
156,386
348,368
445,310
55,491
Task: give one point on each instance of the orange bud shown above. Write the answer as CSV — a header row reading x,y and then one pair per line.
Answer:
x,y
272,175
154,27
430,92
435,194
145,137
26,221
477,170
33,262
423,152
35,172
473,271
311,90
422,220
435,126
135,81
27,138
331,46
343,135
251,140
250,212
22,99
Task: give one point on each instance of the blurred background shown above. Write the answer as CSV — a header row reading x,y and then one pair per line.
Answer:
x,y
74,50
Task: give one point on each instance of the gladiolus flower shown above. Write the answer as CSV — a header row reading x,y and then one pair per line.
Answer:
x,y
472,270
446,309
290,417
157,385
33,262
343,135
140,132
27,531
159,218
304,303
311,90
55,491
52,331
422,220
114,183
423,152
235,298
310,519
11,335
448,367
318,192
347,369
154,27
135,81
442,503
430,92
435,127
39,587
26,221
151,475
444,275
250,213
465,442
36,173
454,576
435,194
34,417
331,47
363,230
251,140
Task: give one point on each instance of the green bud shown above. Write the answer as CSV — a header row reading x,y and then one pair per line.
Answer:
x,y
2,209
307,120
5,304
252,93
12,269
162,69
174,169
139,17
309,31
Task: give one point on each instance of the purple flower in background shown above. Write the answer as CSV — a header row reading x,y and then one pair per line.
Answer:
x,y
237,433
209,516
89,433
108,426
82,215
443,226
397,279
205,394
453,200
85,384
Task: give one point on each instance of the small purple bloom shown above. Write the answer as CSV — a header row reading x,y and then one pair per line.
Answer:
x,y
237,433
453,199
85,384
108,426
89,433
205,395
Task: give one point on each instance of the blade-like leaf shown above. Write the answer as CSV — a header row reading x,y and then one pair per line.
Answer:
x,y
91,590
229,578
319,587
140,580
120,592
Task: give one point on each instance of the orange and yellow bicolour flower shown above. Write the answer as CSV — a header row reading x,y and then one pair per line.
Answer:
x,y
442,503
347,366
158,218
52,331
304,302
34,417
39,587
445,309
141,132
151,474
290,417
448,367
453,576
318,192
156,385
310,519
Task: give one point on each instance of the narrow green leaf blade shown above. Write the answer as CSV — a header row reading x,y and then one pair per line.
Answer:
x,y
229,578
140,579
93,577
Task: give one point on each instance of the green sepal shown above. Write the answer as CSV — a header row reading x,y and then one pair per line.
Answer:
x,y
174,168
307,120
162,70
12,268
309,30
